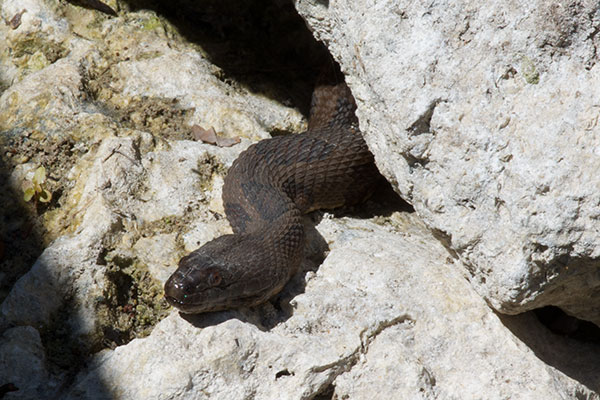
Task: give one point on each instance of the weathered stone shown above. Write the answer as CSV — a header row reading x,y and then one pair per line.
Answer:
x,y
23,363
33,36
384,314
485,119
126,196
389,312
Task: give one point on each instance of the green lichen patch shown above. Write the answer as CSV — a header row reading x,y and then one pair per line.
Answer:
x,y
34,188
132,301
148,55
56,154
529,71
30,45
151,22
34,53
37,62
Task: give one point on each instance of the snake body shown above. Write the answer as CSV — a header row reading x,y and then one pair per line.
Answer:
x,y
266,191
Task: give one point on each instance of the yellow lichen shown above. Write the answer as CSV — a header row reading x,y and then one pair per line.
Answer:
x,y
529,71
151,23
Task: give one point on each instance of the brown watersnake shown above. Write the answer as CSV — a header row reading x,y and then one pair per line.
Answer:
x,y
266,191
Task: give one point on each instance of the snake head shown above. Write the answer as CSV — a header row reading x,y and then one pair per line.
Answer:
x,y
230,271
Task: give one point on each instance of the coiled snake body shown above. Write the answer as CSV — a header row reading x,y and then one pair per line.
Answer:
x,y
266,191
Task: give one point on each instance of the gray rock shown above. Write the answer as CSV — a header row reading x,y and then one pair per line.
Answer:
x,y
127,181
35,35
23,363
485,119
385,313
389,311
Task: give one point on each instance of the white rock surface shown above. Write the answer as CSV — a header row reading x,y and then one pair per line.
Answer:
x,y
389,313
190,78
485,117
384,314
39,24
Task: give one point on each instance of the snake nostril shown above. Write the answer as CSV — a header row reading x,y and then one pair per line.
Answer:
x,y
187,288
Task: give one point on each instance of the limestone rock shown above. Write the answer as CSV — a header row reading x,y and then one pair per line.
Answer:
x,y
484,117
124,196
389,311
384,314
34,36
23,363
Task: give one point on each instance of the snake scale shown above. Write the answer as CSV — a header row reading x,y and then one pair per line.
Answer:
x,y
266,191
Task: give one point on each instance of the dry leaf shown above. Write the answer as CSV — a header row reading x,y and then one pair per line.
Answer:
x,y
226,141
210,136
205,135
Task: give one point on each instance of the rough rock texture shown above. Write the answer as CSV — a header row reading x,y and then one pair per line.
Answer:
x,y
407,326
107,105
485,118
22,360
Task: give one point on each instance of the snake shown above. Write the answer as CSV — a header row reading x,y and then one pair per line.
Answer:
x,y
266,191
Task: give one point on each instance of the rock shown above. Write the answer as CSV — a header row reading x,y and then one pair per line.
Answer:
x,y
388,312
23,363
120,196
385,313
124,180
485,120
189,78
124,195
35,36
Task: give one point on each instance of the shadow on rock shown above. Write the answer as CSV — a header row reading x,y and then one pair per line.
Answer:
x,y
576,359
39,359
264,45
20,244
280,308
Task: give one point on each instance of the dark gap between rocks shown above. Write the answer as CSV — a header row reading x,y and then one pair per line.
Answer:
x,y
262,44
327,393
382,203
560,342
561,323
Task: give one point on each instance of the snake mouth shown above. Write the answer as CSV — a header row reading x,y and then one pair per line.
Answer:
x,y
175,294
175,302
183,307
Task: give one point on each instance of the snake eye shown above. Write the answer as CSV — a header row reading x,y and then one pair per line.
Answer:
x,y
214,278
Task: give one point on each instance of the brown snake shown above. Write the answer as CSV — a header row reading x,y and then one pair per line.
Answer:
x,y
266,191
